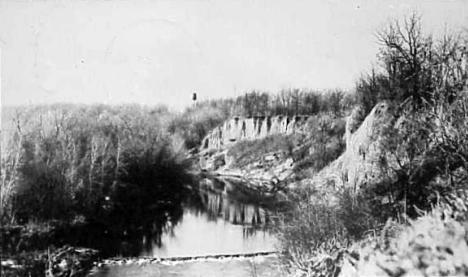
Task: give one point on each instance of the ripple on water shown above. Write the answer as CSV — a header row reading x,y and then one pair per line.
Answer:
x,y
257,266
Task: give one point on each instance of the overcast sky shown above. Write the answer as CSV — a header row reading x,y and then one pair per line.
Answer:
x,y
152,52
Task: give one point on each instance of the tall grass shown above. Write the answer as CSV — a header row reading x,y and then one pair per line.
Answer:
x,y
314,234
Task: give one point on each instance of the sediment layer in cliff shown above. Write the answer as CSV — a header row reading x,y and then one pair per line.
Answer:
x,y
242,128
360,163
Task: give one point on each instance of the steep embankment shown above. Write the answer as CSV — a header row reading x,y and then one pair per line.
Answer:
x,y
359,164
239,129
223,148
256,148
272,149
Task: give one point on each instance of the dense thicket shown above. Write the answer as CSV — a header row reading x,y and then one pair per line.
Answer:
x,y
424,154
414,67
66,162
425,79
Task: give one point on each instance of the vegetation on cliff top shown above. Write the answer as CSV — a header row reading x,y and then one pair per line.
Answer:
x,y
424,153
101,164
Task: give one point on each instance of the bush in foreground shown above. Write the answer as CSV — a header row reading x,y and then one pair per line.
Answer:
x,y
435,244
314,235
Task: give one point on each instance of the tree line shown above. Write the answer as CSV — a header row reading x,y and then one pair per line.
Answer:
x,y
292,101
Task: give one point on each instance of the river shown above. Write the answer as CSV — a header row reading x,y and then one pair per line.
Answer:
x,y
218,218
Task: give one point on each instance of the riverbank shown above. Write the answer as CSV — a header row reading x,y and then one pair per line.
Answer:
x,y
40,251
261,266
64,248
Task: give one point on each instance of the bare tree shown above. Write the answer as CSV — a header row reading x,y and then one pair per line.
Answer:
x,y
405,52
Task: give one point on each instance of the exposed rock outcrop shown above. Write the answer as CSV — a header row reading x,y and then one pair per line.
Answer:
x,y
268,167
359,164
241,128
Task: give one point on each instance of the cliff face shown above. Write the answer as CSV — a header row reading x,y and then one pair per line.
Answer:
x,y
360,163
218,150
240,128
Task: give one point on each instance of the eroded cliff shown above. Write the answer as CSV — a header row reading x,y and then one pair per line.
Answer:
x,y
239,128
360,161
355,167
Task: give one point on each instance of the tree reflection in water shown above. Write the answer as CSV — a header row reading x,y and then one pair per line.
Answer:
x,y
221,199
135,217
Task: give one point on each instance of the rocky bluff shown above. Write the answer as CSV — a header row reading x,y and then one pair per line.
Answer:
x,y
359,164
354,168
217,153
241,128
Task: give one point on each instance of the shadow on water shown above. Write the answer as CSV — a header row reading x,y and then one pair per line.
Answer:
x,y
135,218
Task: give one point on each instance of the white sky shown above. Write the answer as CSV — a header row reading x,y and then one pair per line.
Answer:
x,y
158,51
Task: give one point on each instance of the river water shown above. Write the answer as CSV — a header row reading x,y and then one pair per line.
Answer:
x,y
218,219
254,267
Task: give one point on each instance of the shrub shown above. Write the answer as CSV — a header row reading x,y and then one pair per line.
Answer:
x,y
433,245
324,144
355,214
66,160
425,148
424,155
414,66
312,234
195,123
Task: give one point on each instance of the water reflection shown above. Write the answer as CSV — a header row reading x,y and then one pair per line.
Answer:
x,y
196,235
211,216
232,202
